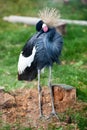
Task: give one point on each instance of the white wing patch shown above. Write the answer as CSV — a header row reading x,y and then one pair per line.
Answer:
x,y
25,61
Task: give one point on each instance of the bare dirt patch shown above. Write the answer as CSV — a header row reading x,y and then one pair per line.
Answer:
x,y
21,107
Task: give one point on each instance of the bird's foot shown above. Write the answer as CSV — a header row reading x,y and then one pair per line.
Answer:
x,y
53,113
43,117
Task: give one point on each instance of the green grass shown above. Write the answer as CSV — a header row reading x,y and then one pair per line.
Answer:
x,y
73,70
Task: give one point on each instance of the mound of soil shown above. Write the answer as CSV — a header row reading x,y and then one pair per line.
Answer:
x,y
21,107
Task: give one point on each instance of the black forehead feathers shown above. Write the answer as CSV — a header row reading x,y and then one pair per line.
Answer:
x,y
39,25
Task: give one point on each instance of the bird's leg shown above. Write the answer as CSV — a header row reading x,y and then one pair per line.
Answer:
x,y
39,91
49,80
51,93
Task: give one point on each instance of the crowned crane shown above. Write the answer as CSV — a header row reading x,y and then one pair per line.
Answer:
x,y
41,50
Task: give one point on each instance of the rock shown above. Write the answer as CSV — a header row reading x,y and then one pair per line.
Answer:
x,y
64,96
62,28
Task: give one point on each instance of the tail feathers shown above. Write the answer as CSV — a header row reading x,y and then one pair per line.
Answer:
x,y
29,74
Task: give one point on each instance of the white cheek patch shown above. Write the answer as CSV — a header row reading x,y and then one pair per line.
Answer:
x,y
44,25
25,61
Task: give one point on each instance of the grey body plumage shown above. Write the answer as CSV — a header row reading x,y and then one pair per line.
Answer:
x,y
48,47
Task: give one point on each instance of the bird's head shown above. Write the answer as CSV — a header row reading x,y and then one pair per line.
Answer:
x,y
41,26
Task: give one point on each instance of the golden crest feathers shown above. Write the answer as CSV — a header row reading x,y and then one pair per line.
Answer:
x,y
49,16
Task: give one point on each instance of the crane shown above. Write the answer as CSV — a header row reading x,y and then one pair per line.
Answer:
x,y
41,50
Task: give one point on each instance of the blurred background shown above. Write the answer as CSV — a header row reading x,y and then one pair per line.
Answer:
x,y
74,9
13,36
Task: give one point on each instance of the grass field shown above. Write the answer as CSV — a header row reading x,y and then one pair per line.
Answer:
x,y
73,70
